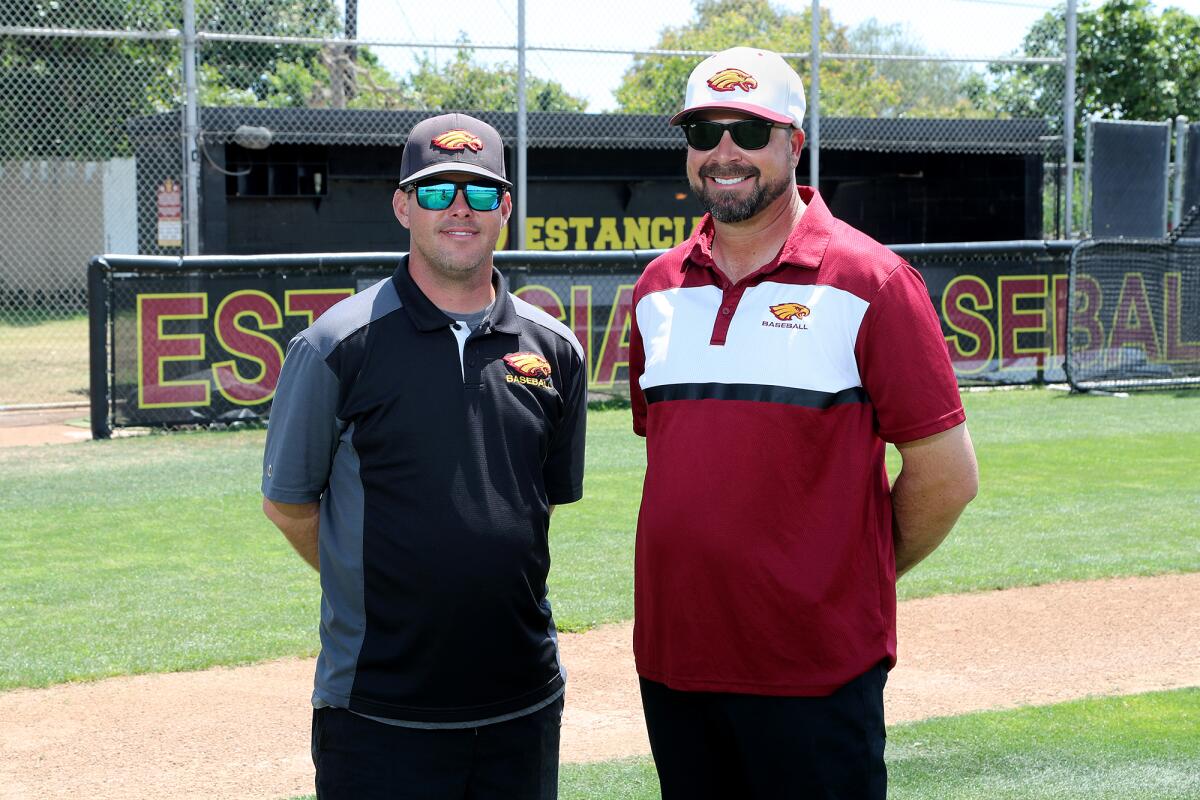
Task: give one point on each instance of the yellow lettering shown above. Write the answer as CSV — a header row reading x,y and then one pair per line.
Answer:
x,y
533,232
542,382
556,233
608,238
637,233
659,233
581,225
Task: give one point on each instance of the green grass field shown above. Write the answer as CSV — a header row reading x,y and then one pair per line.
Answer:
x,y
150,554
45,362
1142,747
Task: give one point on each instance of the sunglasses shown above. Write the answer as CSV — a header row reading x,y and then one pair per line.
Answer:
x,y
748,134
439,196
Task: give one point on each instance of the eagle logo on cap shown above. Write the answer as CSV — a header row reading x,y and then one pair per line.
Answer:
x,y
531,365
729,79
458,139
790,311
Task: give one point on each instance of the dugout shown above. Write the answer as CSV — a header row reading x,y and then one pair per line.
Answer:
x,y
595,181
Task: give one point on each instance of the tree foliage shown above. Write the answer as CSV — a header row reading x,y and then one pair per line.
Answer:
x,y
924,88
72,96
1131,63
463,84
655,84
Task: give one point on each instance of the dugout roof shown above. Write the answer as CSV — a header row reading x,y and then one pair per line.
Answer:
x,y
609,131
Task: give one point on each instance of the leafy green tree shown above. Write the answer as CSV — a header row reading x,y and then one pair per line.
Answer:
x,y
308,82
70,97
253,67
1131,63
656,84
462,83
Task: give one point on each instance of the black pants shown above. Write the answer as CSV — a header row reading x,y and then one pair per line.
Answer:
x,y
717,745
360,759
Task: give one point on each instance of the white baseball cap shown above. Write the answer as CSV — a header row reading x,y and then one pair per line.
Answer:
x,y
746,79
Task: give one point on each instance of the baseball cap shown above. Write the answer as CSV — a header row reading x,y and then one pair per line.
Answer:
x,y
453,143
746,79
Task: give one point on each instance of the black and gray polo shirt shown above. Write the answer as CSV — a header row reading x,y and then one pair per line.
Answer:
x,y
435,457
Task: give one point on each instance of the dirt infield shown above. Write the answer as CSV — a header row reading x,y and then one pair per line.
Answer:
x,y
43,426
243,732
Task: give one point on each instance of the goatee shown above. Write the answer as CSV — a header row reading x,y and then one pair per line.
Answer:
x,y
728,208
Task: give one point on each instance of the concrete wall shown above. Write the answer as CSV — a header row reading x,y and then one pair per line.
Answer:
x,y
56,214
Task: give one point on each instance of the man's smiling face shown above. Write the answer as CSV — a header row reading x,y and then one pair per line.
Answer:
x,y
735,184
457,242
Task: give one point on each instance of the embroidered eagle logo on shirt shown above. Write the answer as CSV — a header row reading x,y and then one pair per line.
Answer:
x,y
732,78
790,311
531,369
792,315
458,139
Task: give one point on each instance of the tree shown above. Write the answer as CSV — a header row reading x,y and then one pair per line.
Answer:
x,y
309,82
925,88
253,67
1130,64
463,84
70,97
656,84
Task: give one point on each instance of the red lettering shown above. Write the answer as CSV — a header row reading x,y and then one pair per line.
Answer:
x,y
156,348
1062,292
614,349
1085,318
544,298
313,302
962,300
1133,322
581,322
1016,319
250,345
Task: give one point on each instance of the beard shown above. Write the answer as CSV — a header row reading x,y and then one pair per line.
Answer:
x,y
727,208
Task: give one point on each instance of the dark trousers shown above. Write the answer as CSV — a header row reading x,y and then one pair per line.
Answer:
x,y
361,759
717,745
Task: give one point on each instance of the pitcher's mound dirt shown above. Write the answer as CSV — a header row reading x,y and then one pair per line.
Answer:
x,y
243,732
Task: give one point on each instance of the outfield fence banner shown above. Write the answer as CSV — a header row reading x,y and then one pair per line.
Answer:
x,y
1134,315
182,341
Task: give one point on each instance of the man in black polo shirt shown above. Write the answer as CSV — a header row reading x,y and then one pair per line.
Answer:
x,y
422,432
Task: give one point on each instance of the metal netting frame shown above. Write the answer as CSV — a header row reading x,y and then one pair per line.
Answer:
x,y
1080,383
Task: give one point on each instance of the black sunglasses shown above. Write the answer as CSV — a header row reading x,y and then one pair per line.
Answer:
x,y
748,134
439,196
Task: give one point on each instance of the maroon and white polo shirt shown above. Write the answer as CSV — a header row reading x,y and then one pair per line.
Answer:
x,y
764,560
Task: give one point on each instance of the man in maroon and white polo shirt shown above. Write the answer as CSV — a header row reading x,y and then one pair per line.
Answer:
x,y
774,354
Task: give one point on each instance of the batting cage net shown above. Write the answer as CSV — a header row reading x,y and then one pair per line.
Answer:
x,y
1134,314
200,341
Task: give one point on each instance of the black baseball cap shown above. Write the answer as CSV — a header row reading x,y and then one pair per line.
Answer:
x,y
453,143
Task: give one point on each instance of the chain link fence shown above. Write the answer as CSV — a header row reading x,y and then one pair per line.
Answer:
x,y
98,154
